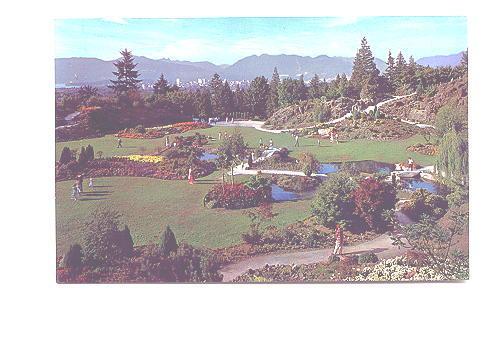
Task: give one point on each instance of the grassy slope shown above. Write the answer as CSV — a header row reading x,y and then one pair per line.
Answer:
x,y
387,151
148,205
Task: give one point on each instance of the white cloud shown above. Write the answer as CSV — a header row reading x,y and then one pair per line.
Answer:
x,y
117,20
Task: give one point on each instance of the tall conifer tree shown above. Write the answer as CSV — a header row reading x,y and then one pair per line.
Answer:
x,y
126,74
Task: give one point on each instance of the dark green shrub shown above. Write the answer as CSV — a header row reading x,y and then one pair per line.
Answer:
x,y
252,237
82,159
126,242
167,243
89,153
66,155
333,202
367,258
425,203
73,257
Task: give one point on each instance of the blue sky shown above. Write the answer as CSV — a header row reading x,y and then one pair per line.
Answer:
x,y
225,40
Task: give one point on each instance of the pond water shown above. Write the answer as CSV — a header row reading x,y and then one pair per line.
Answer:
x,y
206,156
361,166
279,194
415,184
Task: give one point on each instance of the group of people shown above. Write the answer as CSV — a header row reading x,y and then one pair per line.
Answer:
x,y
77,188
262,144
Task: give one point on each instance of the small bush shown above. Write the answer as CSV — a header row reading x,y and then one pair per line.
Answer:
x,y
367,258
73,257
167,243
66,156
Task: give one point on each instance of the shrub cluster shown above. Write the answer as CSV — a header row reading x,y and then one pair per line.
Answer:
x,y
425,203
237,196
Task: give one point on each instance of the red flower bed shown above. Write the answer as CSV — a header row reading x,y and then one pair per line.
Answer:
x,y
188,126
169,170
237,196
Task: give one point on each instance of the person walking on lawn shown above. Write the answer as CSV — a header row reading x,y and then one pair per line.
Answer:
x,y
339,240
119,143
190,176
74,192
411,164
80,183
296,144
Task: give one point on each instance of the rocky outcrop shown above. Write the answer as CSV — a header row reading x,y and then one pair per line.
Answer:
x,y
423,108
306,113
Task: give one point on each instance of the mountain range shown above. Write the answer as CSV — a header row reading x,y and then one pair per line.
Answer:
x,y
94,71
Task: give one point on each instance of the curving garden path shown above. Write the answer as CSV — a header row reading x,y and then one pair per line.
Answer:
x,y
259,124
381,246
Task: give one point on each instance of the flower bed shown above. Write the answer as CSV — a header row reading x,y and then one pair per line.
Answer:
x,y
143,158
180,127
424,149
237,196
168,170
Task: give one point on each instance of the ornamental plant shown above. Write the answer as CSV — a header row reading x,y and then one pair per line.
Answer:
x,y
333,202
167,243
66,156
372,199
237,196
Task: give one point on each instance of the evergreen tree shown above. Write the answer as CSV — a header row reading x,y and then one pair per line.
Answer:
x,y
390,73
82,159
126,242
239,99
167,243
216,86
257,96
73,257
315,90
89,153
301,90
227,99
161,86
364,69
411,74
66,155
400,72
86,92
463,68
273,102
126,74
203,105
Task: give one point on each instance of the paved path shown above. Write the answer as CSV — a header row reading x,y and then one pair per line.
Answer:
x,y
381,246
259,124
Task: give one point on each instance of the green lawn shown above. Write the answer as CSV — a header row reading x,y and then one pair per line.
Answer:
x,y
384,151
148,205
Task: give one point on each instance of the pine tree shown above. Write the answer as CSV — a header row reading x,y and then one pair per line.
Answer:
x,y
216,86
66,155
126,75
203,105
273,103
302,91
89,153
257,96
315,87
167,243
82,159
73,257
126,242
401,68
411,72
364,68
463,68
161,86
390,73
239,99
227,99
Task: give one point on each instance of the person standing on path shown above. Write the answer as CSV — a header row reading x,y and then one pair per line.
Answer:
x,y
260,142
411,164
296,144
339,240
166,142
190,176
331,137
270,143
119,143
90,183
219,136
74,192
318,142
80,183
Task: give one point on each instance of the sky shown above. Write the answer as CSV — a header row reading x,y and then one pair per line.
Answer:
x,y
226,40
